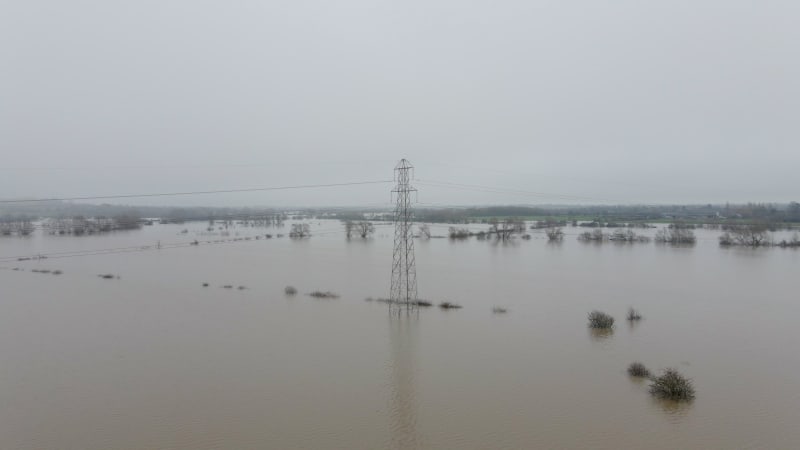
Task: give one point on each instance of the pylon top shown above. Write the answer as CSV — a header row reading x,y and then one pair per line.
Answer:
x,y
403,164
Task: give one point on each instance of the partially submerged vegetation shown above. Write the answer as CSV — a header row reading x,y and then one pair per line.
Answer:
x,y
419,302
597,235
108,276
672,385
290,290
637,369
676,233
794,242
751,235
633,315
321,294
499,310
449,305
80,225
600,320
22,227
362,228
555,234
300,230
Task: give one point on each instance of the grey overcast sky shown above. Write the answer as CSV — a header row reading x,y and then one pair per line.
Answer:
x,y
633,101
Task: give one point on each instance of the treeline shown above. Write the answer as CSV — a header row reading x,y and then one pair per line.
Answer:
x,y
622,215
80,225
58,209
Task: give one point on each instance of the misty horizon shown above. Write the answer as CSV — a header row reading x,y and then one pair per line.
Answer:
x,y
626,103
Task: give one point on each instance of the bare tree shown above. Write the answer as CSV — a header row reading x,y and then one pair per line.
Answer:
x,y
676,233
349,226
504,230
595,235
424,231
365,228
555,234
752,235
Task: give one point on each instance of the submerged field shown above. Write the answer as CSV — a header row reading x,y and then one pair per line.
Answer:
x,y
152,358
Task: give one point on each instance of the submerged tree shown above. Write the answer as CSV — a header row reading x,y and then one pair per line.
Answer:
x,y
555,234
300,230
676,233
424,231
751,235
349,226
504,230
594,235
458,233
364,229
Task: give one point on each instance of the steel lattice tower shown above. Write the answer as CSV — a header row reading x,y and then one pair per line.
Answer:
x,y
404,272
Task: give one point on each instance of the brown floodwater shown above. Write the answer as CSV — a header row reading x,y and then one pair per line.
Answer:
x,y
155,360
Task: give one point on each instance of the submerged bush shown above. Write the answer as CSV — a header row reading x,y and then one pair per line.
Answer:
x,y
555,234
601,320
449,305
672,385
320,294
290,290
499,310
633,315
637,369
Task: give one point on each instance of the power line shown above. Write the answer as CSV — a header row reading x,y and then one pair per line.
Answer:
x,y
359,162
221,191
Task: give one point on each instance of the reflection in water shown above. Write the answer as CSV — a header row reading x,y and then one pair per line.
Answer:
x,y
601,334
403,408
673,409
633,324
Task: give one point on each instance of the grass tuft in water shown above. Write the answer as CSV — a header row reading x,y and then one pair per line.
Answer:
x,y
290,290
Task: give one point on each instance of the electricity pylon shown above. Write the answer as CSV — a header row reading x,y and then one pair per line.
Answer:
x,y
404,272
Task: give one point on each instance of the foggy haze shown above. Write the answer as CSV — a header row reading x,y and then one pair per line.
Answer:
x,y
585,101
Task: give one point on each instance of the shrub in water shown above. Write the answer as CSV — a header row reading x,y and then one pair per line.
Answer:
x,y
672,385
290,290
449,305
637,369
320,294
601,320
633,314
